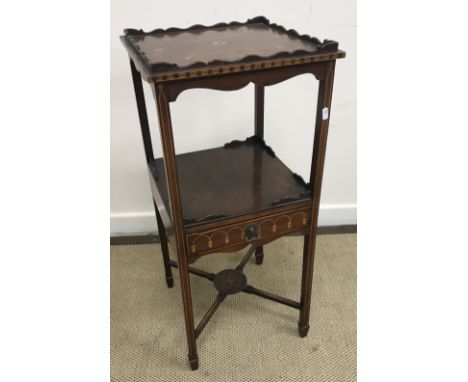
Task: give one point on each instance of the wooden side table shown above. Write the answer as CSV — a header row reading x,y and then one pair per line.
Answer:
x,y
227,198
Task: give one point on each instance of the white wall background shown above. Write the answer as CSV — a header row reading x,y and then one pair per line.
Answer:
x,y
204,118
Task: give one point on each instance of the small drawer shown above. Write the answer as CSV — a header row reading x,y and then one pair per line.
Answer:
x,y
260,230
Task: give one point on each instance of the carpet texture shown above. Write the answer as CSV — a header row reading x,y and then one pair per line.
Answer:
x,y
248,338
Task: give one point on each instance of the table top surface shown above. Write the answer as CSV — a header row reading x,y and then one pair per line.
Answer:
x,y
162,52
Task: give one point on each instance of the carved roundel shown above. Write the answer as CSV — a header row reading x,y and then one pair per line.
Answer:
x,y
230,281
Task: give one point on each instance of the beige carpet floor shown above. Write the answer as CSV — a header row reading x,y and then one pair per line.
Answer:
x,y
249,338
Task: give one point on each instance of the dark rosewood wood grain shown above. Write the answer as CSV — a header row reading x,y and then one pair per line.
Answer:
x,y
272,297
318,160
236,81
259,130
269,228
225,182
206,318
164,247
259,110
146,135
164,50
207,275
223,199
142,115
153,238
175,54
167,141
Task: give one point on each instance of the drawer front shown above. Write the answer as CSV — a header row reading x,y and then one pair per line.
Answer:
x,y
259,230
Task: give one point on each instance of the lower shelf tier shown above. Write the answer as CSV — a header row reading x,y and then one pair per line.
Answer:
x,y
241,178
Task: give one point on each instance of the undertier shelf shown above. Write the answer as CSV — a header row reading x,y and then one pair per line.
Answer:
x,y
241,178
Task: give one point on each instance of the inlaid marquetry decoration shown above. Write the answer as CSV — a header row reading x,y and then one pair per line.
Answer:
x,y
208,55
267,228
222,199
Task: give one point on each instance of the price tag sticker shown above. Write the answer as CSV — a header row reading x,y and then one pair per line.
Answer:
x,y
325,113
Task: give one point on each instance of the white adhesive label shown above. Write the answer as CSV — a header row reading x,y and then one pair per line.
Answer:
x,y
325,113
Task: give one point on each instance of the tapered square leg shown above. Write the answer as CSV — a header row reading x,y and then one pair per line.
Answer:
x,y
303,329
193,363
188,312
259,255
259,131
306,285
167,141
145,131
316,174
164,248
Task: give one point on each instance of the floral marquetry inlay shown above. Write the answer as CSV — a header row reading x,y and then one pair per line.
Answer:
x,y
200,51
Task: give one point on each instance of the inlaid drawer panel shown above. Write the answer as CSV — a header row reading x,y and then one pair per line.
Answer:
x,y
259,230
